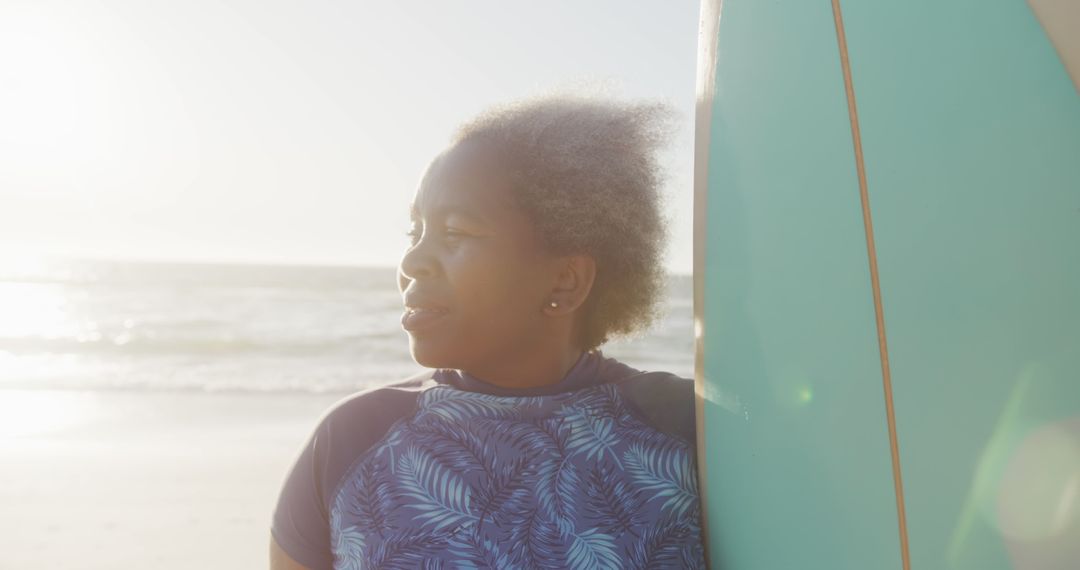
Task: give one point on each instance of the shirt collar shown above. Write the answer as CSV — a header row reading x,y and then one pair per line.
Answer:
x,y
591,369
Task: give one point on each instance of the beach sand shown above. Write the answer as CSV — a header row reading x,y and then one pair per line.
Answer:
x,y
124,480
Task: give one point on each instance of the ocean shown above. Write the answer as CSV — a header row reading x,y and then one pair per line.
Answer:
x,y
94,325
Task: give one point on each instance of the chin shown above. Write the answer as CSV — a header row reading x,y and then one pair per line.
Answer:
x,y
430,355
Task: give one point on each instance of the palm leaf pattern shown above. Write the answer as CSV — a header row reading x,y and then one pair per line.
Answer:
x,y
454,445
613,506
555,476
525,436
541,543
571,480
665,470
432,564
456,406
664,545
602,402
373,502
592,435
440,496
473,552
406,551
504,487
592,549
390,444
349,546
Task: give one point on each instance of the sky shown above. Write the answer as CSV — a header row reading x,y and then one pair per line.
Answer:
x,y
292,132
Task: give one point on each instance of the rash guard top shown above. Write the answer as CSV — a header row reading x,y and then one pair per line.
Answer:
x,y
447,471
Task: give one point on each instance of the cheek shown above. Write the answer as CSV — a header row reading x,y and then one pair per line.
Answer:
x,y
499,292
482,287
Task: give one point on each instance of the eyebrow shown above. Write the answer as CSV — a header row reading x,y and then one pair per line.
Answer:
x,y
414,214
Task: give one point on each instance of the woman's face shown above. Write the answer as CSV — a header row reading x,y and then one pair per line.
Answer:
x,y
476,278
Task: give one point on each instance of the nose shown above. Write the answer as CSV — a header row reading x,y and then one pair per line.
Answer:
x,y
417,263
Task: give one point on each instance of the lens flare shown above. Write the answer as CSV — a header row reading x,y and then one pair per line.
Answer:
x,y
1037,496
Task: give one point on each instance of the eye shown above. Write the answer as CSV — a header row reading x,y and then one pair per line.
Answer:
x,y
414,234
449,234
454,234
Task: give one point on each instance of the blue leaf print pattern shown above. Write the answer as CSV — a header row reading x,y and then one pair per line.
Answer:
x,y
542,544
504,486
441,496
373,502
349,549
612,506
453,445
462,406
590,434
568,481
405,551
390,444
556,479
664,546
663,469
592,549
473,553
545,544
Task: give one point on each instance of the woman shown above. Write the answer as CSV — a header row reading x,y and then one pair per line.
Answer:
x,y
536,236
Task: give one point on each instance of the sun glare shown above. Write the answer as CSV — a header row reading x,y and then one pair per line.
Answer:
x,y
34,303
33,310
25,413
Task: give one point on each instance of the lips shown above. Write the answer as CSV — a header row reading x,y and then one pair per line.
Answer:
x,y
421,314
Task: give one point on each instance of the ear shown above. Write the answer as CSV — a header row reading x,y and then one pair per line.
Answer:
x,y
573,282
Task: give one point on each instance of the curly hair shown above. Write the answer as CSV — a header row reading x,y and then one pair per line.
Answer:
x,y
585,172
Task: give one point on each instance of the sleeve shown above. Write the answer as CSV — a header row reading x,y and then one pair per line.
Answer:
x,y
301,519
664,401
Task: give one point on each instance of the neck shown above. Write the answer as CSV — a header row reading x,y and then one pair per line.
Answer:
x,y
535,370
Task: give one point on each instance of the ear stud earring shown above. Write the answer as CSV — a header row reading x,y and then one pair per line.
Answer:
x,y
554,304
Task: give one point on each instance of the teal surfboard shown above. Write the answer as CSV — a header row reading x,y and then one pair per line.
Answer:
x,y
887,284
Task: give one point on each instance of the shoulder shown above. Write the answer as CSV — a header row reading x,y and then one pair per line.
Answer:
x,y
663,400
389,396
355,423
350,427
371,412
